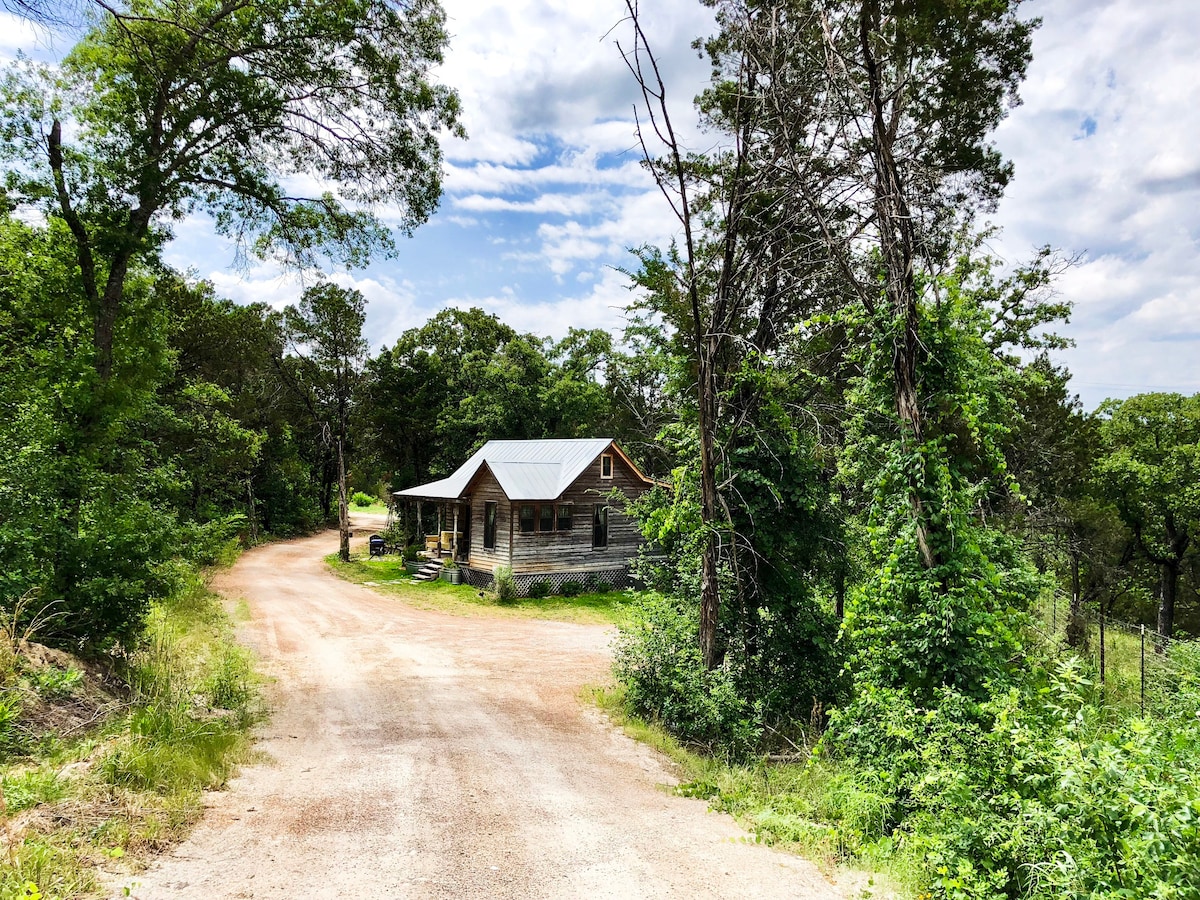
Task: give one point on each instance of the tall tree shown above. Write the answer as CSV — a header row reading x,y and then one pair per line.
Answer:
x,y
325,330
168,108
1151,473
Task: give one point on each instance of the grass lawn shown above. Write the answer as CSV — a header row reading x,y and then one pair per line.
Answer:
x,y
379,509
387,576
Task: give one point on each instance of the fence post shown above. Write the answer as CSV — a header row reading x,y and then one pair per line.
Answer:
x,y
1102,644
1143,671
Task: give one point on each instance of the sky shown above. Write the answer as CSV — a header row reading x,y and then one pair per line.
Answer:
x,y
546,197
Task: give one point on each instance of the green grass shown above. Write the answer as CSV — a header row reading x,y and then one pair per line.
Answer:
x,y
808,808
610,608
131,786
379,509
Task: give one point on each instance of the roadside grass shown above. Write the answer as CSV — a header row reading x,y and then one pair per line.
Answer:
x,y
805,807
387,576
88,802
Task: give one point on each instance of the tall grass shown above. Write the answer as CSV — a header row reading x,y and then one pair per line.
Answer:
x,y
134,785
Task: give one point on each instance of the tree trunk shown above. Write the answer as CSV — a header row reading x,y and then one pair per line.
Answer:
x,y
897,243
343,508
1168,573
1076,626
710,596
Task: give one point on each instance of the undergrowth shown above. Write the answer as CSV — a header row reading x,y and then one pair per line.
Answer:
x,y
130,784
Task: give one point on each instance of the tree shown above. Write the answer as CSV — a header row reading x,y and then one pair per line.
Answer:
x,y
1151,473
325,331
170,108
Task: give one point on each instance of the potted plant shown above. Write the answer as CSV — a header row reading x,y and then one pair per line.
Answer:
x,y
451,572
412,562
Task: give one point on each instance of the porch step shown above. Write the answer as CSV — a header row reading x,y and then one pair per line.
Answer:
x,y
428,572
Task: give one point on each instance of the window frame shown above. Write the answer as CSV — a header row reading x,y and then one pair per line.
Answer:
x,y
606,458
489,527
599,525
533,518
560,518
542,520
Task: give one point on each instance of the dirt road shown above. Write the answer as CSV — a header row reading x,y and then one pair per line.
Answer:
x,y
418,754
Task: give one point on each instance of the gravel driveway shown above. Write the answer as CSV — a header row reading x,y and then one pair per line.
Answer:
x,y
411,753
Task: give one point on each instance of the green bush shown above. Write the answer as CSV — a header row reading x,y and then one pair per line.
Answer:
x,y
571,588
504,584
539,589
658,659
362,500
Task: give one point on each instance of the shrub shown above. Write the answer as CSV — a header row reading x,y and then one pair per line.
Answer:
x,y
658,659
56,683
571,588
539,589
504,583
362,500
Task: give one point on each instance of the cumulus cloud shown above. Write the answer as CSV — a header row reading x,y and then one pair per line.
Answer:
x,y
1107,166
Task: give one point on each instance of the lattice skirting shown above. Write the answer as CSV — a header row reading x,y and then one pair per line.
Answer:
x,y
606,579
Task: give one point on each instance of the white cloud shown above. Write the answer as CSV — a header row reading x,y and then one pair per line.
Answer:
x,y
602,307
1107,164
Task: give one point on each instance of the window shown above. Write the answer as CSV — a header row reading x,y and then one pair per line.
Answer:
x,y
606,466
528,519
566,517
546,518
599,527
489,526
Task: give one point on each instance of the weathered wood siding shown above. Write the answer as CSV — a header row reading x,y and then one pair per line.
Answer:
x,y
558,551
486,489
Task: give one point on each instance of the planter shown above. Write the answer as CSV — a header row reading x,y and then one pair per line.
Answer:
x,y
413,566
454,576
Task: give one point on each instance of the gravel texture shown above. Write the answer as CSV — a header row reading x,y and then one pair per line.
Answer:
x,y
411,753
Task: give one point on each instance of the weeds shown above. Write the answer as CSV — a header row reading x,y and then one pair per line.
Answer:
x,y
134,782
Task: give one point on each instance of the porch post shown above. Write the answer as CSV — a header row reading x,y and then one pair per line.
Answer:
x,y
454,535
420,528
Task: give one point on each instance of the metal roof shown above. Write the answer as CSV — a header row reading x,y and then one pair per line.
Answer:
x,y
526,470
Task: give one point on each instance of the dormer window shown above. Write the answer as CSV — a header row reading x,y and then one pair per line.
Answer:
x,y
606,465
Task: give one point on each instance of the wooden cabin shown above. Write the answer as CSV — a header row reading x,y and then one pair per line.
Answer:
x,y
539,506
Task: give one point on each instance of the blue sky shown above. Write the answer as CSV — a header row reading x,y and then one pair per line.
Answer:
x,y
545,198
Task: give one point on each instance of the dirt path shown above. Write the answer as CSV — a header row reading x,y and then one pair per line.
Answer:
x,y
418,754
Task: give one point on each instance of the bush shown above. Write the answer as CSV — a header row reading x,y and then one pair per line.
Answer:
x,y
658,659
539,589
504,584
362,500
571,588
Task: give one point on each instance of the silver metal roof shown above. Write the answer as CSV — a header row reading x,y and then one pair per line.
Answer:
x,y
526,470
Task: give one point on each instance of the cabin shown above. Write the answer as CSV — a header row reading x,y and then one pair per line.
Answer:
x,y
539,506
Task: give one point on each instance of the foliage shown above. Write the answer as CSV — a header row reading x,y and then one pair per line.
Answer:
x,y
135,777
657,658
362,500
539,589
570,588
504,584
1149,473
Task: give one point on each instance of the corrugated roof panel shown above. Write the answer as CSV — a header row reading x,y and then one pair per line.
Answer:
x,y
526,470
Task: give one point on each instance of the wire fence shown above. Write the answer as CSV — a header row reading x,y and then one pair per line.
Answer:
x,y
1136,665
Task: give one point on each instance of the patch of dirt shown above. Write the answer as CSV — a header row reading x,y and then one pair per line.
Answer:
x,y
419,754
88,703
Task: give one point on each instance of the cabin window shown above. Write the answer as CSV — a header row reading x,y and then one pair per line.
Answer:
x,y
599,527
546,518
566,517
528,519
489,526
606,466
